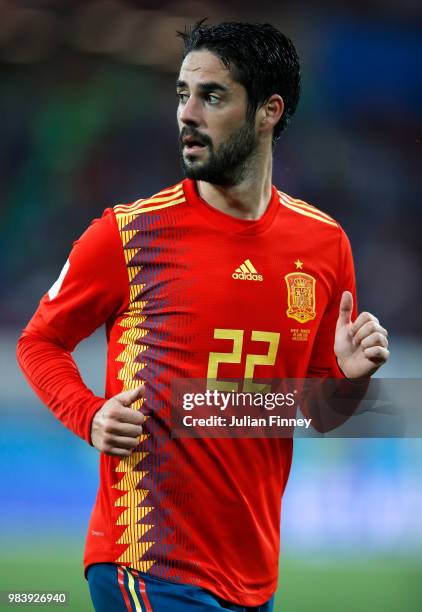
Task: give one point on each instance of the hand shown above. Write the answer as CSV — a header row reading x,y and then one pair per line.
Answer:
x,y
115,427
361,347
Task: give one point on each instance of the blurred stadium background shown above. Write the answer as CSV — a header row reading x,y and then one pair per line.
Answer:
x,y
88,120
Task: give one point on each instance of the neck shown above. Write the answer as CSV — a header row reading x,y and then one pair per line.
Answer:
x,y
248,199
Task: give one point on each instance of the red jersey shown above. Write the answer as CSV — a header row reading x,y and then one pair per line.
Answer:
x,y
176,282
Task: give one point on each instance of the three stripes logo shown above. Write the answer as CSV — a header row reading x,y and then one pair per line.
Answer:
x,y
246,271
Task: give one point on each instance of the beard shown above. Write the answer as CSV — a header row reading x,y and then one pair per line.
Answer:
x,y
225,166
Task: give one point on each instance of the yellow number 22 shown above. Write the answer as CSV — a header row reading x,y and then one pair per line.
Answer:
x,y
236,356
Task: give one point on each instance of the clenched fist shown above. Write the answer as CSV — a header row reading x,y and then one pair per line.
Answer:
x,y
116,427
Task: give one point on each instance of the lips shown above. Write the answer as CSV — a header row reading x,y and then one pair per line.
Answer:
x,y
194,147
191,142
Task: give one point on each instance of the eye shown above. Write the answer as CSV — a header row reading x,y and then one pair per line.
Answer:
x,y
182,97
212,99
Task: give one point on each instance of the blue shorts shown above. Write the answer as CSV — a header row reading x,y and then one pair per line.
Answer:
x,y
115,588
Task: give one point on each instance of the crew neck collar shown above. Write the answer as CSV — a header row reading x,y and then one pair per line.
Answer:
x,y
226,222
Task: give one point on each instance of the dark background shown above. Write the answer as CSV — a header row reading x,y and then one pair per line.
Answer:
x,y
87,120
87,113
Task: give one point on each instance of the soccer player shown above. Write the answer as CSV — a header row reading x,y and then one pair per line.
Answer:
x,y
220,276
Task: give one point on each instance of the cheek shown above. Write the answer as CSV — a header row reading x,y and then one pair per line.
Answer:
x,y
179,123
220,130
222,135
223,128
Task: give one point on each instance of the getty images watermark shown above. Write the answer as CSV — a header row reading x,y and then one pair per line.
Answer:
x,y
222,401
284,408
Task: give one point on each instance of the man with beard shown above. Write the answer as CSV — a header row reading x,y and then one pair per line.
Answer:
x,y
221,276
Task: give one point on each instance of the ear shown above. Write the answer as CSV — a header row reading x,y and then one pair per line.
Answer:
x,y
270,113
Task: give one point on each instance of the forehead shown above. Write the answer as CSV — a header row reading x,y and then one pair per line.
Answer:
x,y
203,66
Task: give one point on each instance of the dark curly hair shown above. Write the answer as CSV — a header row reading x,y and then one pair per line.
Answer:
x,y
259,56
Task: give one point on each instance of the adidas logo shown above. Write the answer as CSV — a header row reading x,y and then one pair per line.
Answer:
x,y
246,271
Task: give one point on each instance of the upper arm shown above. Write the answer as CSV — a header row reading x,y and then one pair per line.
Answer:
x,y
323,361
91,289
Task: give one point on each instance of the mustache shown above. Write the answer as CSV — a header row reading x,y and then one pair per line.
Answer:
x,y
192,132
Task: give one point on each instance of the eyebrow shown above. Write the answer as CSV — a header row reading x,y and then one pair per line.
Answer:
x,y
205,87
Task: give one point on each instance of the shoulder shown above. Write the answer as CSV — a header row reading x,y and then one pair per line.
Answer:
x,y
166,198
317,226
306,211
99,236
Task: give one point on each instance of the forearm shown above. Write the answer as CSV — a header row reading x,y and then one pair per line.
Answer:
x,y
54,376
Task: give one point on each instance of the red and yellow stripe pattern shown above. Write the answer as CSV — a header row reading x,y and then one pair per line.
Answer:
x,y
305,209
133,514
163,199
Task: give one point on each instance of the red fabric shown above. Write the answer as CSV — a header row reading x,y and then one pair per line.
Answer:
x,y
164,274
53,375
121,580
85,301
143,592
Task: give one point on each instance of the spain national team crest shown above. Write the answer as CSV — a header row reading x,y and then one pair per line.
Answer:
x,y
300,296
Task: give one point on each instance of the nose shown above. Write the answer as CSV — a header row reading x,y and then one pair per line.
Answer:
x,y
190,112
